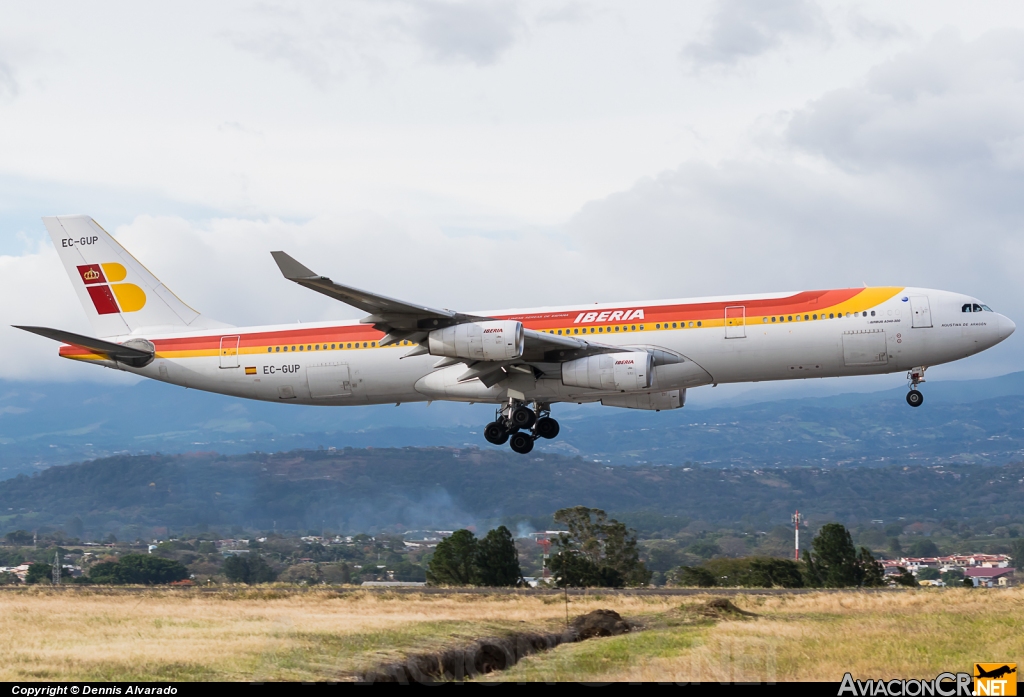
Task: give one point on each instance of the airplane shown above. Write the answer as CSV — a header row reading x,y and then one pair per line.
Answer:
x,y
633,355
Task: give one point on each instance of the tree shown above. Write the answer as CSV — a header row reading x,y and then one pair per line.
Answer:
x,y
138,569
704,549
928,574
454,560
952,577
248,568
872,573
18,538
833,562
968,582
1017,554
696,576
769,572
497,559
894,545
75,527
595,551
924,548
39,573
905,578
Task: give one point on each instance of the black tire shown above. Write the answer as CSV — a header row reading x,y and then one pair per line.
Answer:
x,y
522,417
915,398
521,443
547,427
496,433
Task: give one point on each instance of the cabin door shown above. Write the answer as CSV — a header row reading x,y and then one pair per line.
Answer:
x,y
922,311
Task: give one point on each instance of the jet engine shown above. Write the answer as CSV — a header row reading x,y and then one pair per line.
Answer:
x,y
499,340
621,372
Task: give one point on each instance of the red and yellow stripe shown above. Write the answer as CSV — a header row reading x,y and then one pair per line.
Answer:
x,y
364,337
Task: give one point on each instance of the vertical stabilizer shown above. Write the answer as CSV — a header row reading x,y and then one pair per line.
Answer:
x,y
120,296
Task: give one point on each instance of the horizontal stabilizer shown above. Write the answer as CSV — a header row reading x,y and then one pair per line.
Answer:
x,y
118,352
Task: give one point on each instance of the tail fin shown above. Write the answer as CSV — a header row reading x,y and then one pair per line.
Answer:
x,y
120,295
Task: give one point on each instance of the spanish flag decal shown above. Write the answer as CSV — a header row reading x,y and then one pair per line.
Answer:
x,y
249,370
110,297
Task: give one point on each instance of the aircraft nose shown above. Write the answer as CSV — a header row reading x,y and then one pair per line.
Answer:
x,y
1006,327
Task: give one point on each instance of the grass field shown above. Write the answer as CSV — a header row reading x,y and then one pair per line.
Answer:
x,y
263,635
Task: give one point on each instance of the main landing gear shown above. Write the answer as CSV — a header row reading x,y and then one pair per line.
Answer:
x,y
916,377
518,425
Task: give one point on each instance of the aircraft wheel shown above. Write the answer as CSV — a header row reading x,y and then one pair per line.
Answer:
x,y
915,398
522,417
547,427
496,433
521,443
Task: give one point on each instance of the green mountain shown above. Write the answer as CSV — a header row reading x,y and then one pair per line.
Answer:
x,y
368,489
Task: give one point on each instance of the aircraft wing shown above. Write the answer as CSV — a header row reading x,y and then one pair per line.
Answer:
x,y
401,320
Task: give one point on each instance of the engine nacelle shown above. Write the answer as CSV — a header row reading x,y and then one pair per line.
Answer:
x,y
500,340
620,372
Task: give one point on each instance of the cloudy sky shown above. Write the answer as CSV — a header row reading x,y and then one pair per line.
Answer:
x,y
512,153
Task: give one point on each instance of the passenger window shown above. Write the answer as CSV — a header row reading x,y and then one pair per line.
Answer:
x,y
332,347
575,331
773,319
673,325
806,317
872,313
300,348
830,315
698,324
270,349
277,350
350,344
691,324
814,316
559,332
765,320
616,329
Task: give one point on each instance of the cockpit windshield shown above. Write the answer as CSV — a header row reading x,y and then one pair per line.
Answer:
x,y
975,307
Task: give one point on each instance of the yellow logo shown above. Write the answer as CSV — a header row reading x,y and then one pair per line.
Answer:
x,y
91,275
995,679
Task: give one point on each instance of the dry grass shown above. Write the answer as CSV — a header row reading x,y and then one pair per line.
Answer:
x,y
254,636
808,637
277,635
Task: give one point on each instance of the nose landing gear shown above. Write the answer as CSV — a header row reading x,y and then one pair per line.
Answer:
x,y
916,377
518,425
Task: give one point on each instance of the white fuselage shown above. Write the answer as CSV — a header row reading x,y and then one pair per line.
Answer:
x,y
743,339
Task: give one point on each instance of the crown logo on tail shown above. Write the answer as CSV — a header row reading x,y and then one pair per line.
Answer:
x,y
91,275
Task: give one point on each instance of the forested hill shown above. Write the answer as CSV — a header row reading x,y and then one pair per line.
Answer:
x,y
976,421
366,489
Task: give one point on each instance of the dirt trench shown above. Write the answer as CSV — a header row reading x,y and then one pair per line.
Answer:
x,y
495,653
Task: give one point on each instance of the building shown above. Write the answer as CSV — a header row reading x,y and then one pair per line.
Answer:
x,y
990,576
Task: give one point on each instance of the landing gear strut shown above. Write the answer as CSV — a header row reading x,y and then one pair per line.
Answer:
x,y
916,377
518,425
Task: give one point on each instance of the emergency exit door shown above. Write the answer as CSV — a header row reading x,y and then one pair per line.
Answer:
x,y
229,351
735,322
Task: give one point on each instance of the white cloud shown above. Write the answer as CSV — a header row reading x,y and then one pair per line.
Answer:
x,y
742,29
477,31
